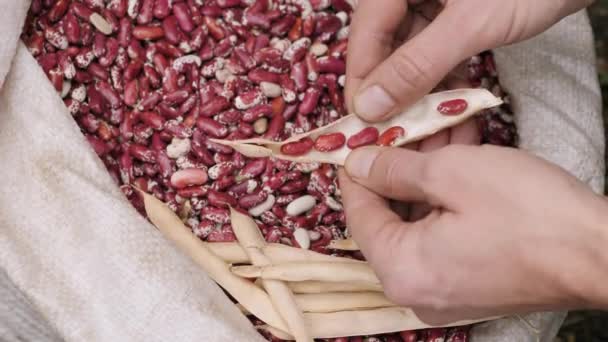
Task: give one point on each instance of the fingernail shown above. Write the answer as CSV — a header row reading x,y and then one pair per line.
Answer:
x,y
359,162
373,102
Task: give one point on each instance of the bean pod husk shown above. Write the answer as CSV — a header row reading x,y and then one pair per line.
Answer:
x,y
419,121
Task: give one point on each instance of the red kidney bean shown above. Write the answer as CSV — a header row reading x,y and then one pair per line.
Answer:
x,y
152,119
220,199
220,169
183,16
172,32
318,212
297,148
275,128
214,106
131,93
331,65
192,191
275,181
294,186
308,26
149,101
310,100
260,75
452,107
223,158
162,8
218,215
436,335
133,70
100,147
330,142
212,127
253,169
223,183
295,32
142,153
176,97
165,164
257,112
250,201
390,135
163,47
108,94
282,26
188,177
245,58
71,28
299,73
367,136
58,10
249,99
328,24
148,32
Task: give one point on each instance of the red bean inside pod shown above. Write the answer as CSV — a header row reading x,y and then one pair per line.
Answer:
x,y
453,107
367,136
330,142
297,148
388,137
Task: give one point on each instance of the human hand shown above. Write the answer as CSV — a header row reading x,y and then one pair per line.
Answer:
x,y
509,232
401,56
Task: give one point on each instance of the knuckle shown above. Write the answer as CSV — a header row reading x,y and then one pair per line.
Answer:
x,y
391,169
410,71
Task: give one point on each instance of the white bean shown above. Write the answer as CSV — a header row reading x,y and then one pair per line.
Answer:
x,y
262,207
301,205
301,236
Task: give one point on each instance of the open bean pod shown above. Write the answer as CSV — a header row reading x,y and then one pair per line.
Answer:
x,y
332,143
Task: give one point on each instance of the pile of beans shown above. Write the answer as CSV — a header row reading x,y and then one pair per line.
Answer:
x,y
151,81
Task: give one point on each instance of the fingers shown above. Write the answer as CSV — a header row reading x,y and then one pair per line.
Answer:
x,y
391,172
434,142
466,133
416,67
372,31
370,220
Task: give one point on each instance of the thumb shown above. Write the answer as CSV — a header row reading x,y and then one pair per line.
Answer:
x,y
406,175
414,69
390,172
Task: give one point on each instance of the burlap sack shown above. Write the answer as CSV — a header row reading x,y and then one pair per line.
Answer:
x,y
79,264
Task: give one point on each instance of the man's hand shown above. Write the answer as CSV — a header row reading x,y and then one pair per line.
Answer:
x,y
508,233
398,55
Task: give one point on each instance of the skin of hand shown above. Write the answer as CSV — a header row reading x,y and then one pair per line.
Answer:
x,y
404,50
508,233
401,55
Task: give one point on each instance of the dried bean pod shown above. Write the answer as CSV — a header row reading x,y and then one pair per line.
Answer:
x,y
420,120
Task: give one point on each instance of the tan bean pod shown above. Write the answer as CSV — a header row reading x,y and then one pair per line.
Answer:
x,y
419,121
